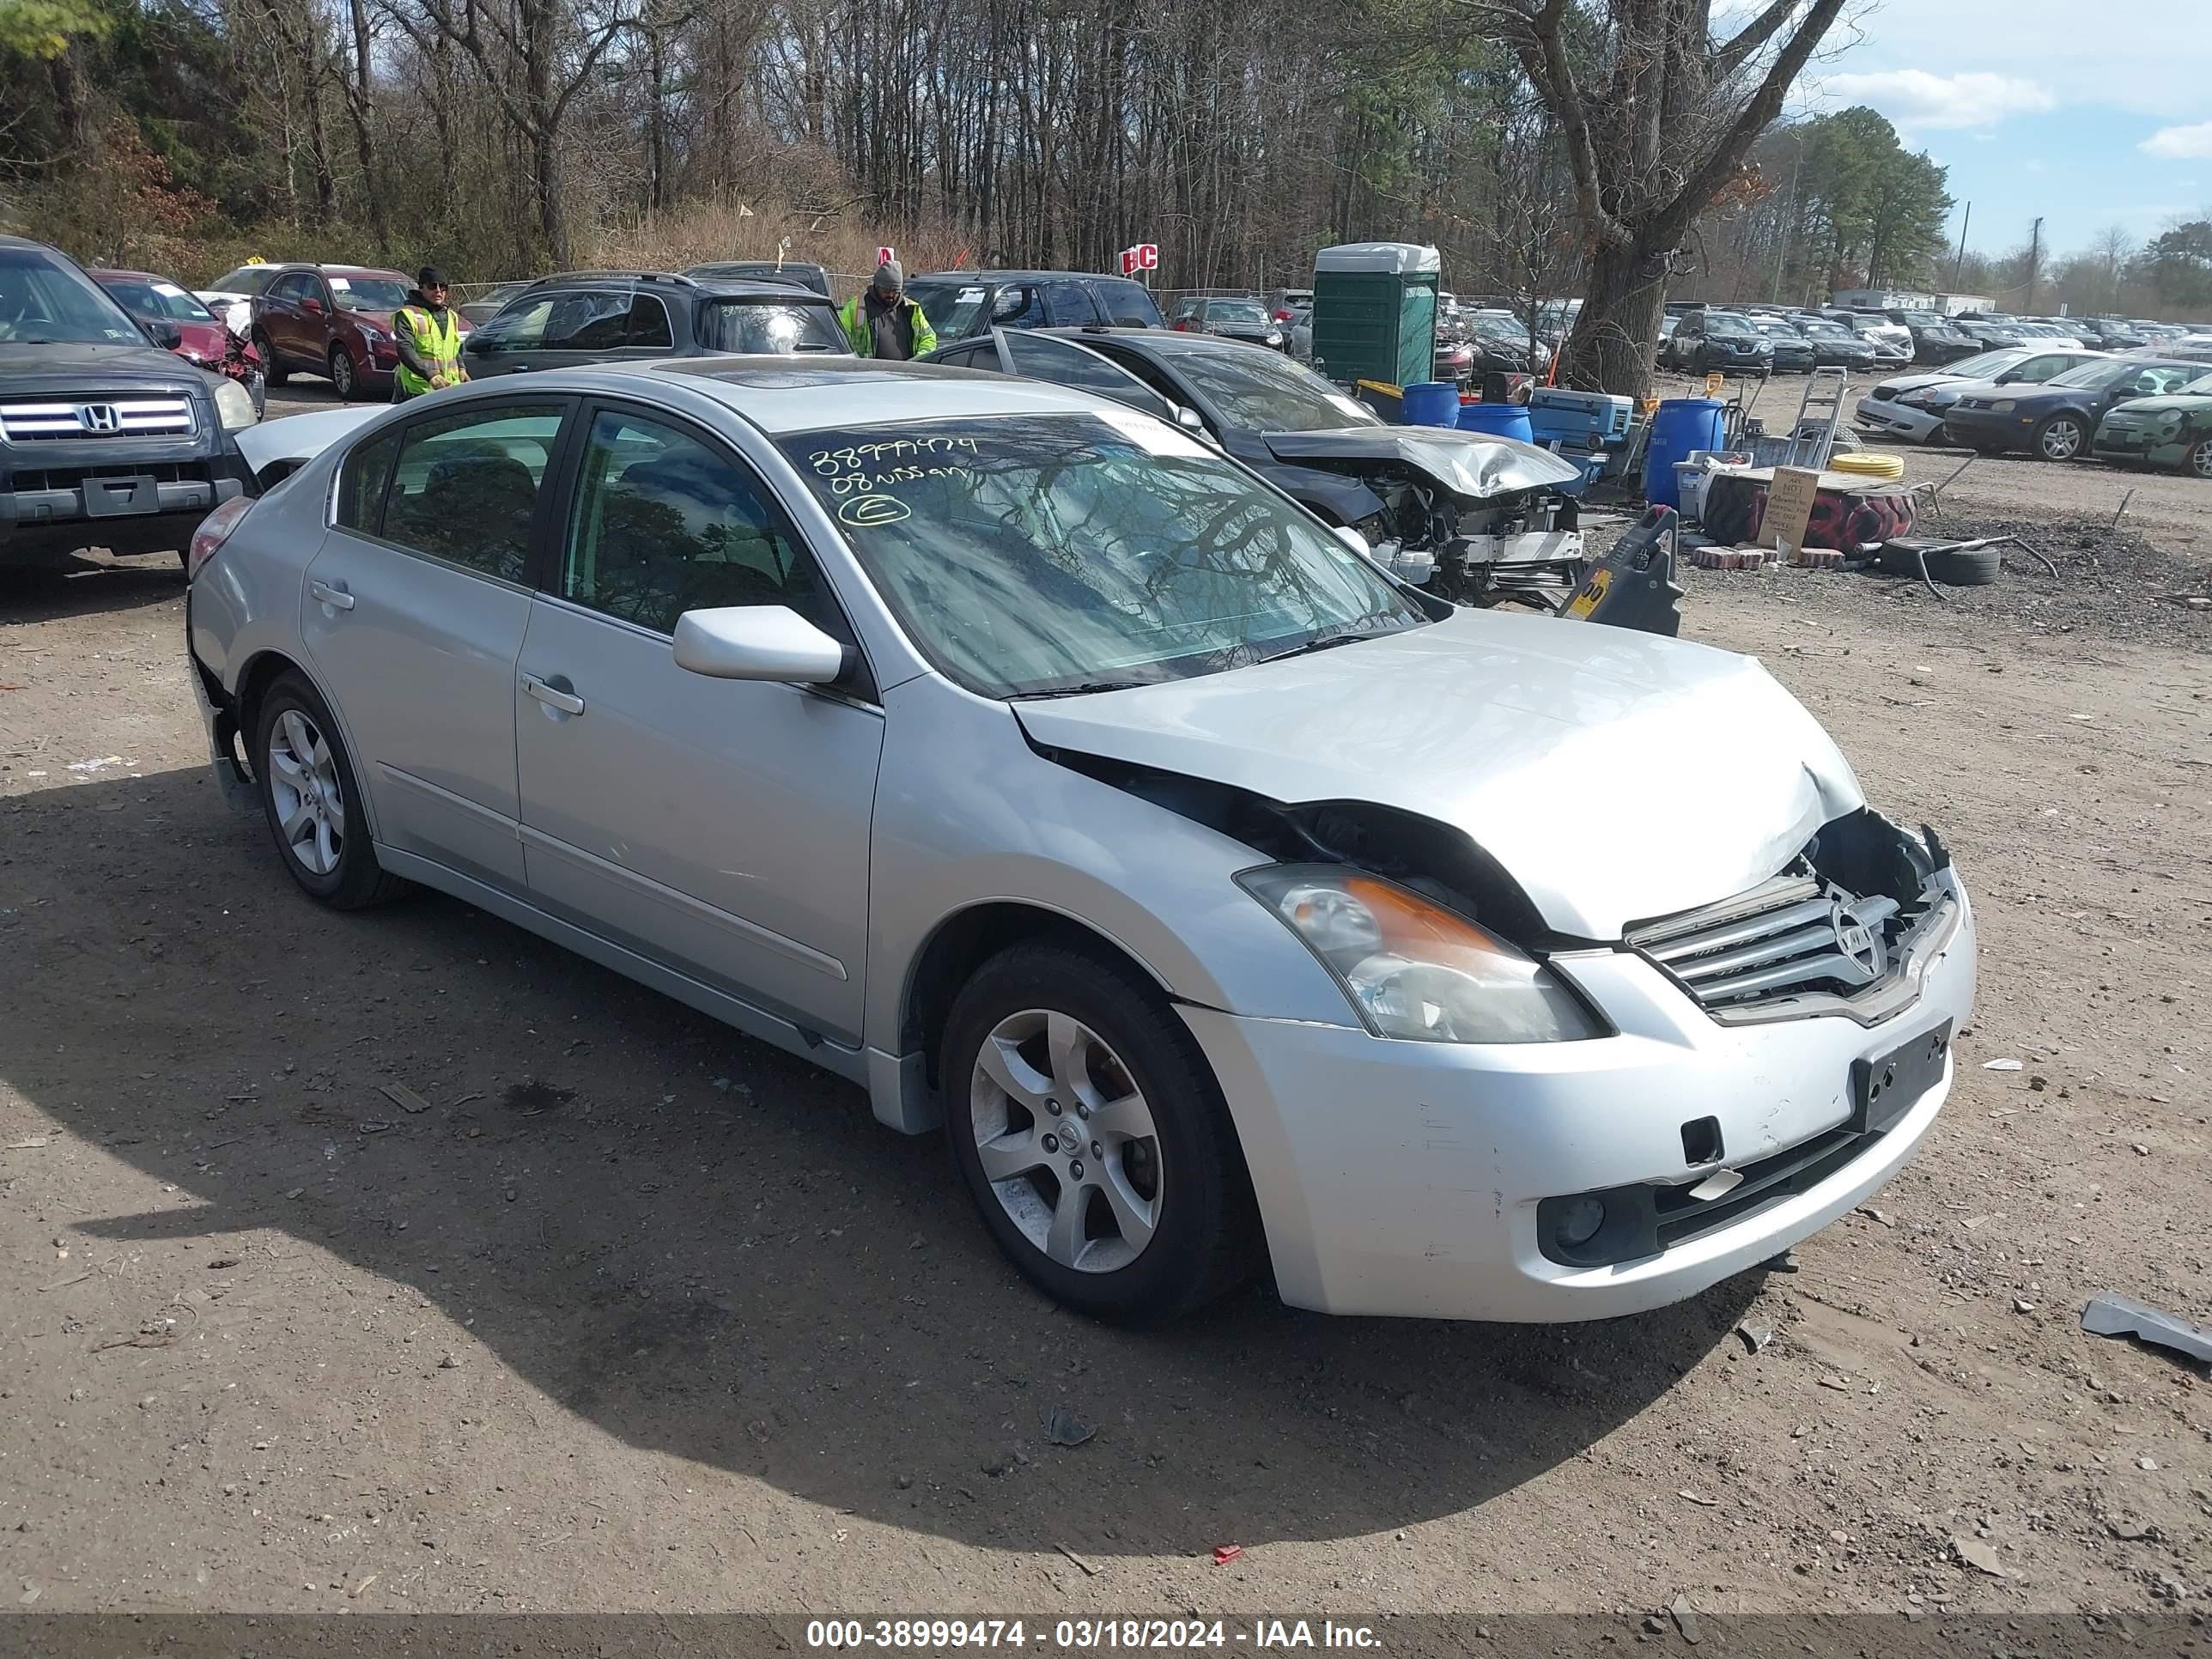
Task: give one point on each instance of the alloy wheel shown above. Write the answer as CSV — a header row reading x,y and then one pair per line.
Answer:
x,y
1065,1140
342,372
2062,440
2199,459
303,782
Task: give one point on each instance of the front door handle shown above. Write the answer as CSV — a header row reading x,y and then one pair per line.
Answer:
x,y
337,597
552,696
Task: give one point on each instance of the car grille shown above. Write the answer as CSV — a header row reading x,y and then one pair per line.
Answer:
x,y
1975,402
1791,936
1886,394
116,415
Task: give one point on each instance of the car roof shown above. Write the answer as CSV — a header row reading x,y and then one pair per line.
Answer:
x,y
782,395
718,288
282,265
98,272
1017,276
1161,342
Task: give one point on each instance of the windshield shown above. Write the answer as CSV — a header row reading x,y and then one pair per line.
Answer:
x,y
2096,376
1982,364
247,279
1263,390
368,293
44,301
770,326
1824,331
1034,553
157,298
1234,311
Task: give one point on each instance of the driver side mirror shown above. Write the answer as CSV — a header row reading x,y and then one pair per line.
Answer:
x,y
167,334
312,308
757,642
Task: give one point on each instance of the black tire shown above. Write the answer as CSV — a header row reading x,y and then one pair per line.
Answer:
x,y
2196,461
357,879
1952,567
1207,1239
276,371
2062,438
345,379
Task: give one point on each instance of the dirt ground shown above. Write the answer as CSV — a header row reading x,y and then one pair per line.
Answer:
x,y
402,1261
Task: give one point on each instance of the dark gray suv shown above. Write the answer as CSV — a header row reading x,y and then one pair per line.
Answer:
x,y
959,303
105,439
630,316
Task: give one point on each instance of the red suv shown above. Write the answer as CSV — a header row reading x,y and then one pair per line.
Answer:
x,y
333,320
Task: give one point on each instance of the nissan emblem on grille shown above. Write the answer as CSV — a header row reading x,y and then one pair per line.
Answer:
x,y
99,418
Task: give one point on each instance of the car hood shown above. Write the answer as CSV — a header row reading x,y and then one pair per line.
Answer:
x,y
1617,775
1466,463
1897,385
2196,404
76,367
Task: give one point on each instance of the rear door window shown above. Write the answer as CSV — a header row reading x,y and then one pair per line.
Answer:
x,y
1063,363
465,486
1068,305
1127,302
591,321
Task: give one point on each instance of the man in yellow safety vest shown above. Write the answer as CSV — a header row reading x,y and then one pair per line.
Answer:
x,y
427,334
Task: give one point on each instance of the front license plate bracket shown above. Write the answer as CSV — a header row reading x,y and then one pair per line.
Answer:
x,y
1883,1089
121,498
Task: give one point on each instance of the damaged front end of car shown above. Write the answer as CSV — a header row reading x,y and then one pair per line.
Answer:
x,y
1477,520
1849,927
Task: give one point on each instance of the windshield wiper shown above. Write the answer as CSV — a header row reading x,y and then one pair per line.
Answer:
x,y
1329,643
1082,690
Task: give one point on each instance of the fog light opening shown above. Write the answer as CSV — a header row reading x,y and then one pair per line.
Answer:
x,y
1580,1218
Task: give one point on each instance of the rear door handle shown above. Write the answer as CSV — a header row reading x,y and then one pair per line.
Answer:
x,y
337,597
552,696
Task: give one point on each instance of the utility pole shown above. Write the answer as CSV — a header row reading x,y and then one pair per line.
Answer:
x,y
1959,265
2034,259
1789,222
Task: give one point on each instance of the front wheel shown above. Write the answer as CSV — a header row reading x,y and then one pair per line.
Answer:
x,y
276,370
1090,1132
2198,463
312,801
2061,438
344,380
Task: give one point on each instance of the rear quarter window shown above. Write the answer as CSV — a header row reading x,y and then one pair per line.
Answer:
x,y
362,481
1128,303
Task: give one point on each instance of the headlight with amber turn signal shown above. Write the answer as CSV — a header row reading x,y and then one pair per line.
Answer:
x,y
1413,969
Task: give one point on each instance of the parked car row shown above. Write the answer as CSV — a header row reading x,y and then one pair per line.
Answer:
x,y
2056,405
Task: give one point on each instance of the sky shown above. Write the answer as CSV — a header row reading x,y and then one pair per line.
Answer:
x,y
2090,116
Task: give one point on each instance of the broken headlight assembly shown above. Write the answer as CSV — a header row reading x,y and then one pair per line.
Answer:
x,y
1413,969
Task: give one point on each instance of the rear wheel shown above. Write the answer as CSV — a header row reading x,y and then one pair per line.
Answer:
x,y
2061,438
343,380
1091,1135
312,801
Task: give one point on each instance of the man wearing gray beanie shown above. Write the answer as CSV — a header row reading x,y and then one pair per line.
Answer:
x,y
882,322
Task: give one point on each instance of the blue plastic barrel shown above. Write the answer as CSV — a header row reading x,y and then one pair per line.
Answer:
x,y
1681,425
1500,420
1431,403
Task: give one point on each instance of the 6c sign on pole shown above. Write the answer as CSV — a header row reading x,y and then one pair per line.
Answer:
x,y
1145,257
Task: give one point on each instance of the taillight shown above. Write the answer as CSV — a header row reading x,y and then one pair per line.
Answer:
x,y
215,530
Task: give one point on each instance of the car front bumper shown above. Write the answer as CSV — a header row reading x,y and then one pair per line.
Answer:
x,y
1895,420
1405,1178
123,502
1990,429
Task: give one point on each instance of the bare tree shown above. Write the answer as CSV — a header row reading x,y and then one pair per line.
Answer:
x,y
555,46
1657,115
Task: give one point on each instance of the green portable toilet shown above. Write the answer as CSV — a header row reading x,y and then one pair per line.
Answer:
x,y
1375,312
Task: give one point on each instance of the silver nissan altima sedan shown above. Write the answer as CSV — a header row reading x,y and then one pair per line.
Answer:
x,y
1058,780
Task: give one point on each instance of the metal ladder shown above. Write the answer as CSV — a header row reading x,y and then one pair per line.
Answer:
x,y
1819,415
